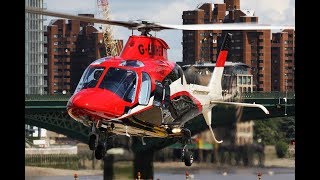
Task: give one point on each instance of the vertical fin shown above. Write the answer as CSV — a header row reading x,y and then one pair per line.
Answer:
x,y
215,81
215,88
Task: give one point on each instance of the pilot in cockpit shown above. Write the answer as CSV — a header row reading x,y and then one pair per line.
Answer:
x,y
95,79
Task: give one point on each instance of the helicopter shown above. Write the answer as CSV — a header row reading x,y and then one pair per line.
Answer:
x,y
142,93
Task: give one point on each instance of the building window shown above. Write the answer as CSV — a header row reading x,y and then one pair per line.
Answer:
x,y
249,80
239,80
244,80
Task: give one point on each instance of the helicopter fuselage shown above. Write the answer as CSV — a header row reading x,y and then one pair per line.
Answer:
x,y
139,92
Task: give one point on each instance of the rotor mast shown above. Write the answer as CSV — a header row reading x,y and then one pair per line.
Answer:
x,y
110,43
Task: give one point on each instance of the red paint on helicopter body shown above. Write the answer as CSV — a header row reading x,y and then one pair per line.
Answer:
x,y
222,58
145,48
95,100
99,103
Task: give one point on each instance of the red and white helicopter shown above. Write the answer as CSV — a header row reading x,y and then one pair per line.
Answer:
x,y
142,93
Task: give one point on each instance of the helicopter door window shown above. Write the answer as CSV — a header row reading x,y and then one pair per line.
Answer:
x,y
89,78
121,82
145,90
158,94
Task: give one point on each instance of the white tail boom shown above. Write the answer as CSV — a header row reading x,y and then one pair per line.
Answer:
x,y
215,87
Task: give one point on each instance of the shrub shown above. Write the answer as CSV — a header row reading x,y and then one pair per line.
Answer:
x,y
281,149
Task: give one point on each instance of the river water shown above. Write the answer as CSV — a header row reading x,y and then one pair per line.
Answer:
x,y
231,174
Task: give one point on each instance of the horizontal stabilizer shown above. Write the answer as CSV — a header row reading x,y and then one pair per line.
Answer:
x,y
241,104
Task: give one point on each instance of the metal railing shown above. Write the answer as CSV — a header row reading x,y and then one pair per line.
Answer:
x,y
245,95
45,97
271,95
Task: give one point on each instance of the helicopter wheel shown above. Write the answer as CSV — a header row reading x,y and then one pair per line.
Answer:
x,y
188,158
100,152
93,141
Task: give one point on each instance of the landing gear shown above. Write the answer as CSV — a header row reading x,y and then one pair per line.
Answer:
x,y
99,141
101,150
186,155
93,141
93,138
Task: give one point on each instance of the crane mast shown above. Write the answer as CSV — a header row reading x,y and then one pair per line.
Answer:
x,y
110,43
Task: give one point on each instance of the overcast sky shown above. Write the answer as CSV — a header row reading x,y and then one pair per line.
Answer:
x,y
278,12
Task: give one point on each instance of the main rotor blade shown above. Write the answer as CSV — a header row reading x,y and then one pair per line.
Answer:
x,y
224,26
130,25
150,26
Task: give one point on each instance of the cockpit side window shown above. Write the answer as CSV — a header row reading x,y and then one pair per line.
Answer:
x,y
145,90
90,77
121,82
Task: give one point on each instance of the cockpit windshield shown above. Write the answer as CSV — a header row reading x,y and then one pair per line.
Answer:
x,y
89,78
120,81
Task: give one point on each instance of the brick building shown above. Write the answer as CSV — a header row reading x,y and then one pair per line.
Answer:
x,y
283,68
72,46
250,47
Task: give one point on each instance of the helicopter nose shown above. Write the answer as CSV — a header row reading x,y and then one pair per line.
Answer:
x,y
97,102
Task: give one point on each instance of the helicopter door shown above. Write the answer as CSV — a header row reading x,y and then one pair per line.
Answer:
x,y
162,101
166,97
158,94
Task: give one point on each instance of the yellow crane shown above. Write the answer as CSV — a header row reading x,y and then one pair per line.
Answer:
x,y
112,47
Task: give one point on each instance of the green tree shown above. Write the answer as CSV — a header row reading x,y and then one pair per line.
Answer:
x,y
281,149
273,130
288,126
268,131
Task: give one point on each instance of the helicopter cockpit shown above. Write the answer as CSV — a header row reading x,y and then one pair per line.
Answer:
x,y
122,82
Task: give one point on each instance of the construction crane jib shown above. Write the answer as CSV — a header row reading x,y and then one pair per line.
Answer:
x,y
112,47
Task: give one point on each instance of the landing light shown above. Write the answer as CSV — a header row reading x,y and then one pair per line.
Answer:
x,y
176,130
